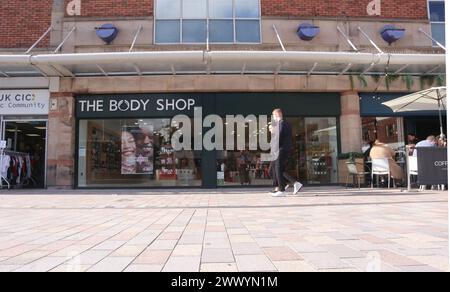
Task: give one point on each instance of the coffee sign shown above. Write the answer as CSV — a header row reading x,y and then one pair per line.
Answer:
x,y
433,166
24,102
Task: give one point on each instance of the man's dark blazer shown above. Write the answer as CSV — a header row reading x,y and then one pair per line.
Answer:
x,y
285,137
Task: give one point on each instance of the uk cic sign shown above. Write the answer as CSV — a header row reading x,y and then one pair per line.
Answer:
x,y
24,102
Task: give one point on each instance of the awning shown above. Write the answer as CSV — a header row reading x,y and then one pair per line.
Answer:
x,y
426,100
220,62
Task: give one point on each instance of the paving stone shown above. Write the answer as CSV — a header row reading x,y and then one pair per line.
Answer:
x,y
217,255
246,248
111,264
218,267
282,254
187,250
325,261
153,257
254,263
324,229
144,268
182,264
294,266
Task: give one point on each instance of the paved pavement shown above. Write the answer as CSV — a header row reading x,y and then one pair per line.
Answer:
x,y
323,229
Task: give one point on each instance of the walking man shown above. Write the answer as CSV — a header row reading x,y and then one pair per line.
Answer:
x,y
281,148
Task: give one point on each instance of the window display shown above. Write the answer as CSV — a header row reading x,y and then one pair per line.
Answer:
x,y
387,130
315,154
133,153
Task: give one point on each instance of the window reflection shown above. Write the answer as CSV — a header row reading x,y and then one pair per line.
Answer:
x,y
225,21
313,159
388,130
134,153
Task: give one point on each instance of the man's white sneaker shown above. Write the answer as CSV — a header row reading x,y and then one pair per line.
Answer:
x,y
279,194
297,187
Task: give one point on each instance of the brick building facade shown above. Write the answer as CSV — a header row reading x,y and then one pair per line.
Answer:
x,y
320,82
23,22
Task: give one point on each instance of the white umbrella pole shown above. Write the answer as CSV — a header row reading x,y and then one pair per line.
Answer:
x,y
407,168
441,123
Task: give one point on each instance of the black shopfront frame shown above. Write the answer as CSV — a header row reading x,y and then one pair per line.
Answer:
x,y
294,105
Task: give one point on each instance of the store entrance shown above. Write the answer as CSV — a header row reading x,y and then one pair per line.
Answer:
x,y
25,153
313,159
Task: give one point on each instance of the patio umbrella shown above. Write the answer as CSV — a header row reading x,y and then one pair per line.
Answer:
x,y
427,100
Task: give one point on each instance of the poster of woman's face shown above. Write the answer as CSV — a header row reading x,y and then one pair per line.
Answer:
x,y
137,150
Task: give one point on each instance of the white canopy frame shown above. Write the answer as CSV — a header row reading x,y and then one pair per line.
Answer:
x,y
133,63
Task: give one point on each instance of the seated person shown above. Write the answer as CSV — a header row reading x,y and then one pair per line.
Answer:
x,y
412,140
431,141
383,151
442,141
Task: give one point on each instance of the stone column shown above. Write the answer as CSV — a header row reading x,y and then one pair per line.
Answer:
x,y
61,141
351,125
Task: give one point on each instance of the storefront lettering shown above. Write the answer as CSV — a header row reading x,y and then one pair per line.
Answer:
x,y
91,105
125,105
134,105
18,101
440,163
17,97
173,104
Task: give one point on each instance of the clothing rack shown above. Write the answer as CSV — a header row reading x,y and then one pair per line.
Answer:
x,y
13,153
9,152
3,179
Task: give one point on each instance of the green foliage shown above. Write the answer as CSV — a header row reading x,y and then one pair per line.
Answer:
x,y
409,81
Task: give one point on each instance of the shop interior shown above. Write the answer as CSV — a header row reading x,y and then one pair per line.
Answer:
x,y
24,159
134,153
314,156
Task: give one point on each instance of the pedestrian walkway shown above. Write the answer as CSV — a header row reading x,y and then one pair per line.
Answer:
x,y
321,229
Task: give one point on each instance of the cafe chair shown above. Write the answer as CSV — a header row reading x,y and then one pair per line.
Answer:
x,y
355,173
380,167
414,169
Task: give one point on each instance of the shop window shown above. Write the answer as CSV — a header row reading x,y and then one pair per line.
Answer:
x,y
168,31
191,21
25,154
220,9
194,31
221,31
388,130
133,153
437,18
313,159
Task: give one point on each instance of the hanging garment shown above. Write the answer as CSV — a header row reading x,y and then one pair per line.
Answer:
x,y
5,165
28,163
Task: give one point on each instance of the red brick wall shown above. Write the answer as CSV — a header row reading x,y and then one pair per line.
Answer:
x,y
405,9
22,22
111,8
402,9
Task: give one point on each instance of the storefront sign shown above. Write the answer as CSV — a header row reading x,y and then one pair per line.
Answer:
x,y
24,102
129,106
432,163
